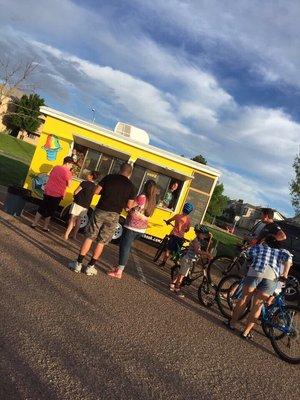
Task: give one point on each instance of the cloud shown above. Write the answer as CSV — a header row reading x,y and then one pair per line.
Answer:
x,y
132,69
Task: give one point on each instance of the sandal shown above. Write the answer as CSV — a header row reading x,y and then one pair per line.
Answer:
x,y
248,336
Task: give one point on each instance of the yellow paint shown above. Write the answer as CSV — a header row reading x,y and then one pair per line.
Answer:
x,y
64,129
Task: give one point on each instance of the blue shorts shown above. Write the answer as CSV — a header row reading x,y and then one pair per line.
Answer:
x,y
264,285
175,243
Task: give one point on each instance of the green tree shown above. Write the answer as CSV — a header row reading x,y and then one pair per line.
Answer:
x,y
218,201
295,186
26,114
200,159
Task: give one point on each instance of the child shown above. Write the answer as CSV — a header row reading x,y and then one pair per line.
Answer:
x,y
182,225
83,196
198,247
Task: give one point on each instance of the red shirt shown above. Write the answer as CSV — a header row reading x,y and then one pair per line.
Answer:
x,y
58,181
182,225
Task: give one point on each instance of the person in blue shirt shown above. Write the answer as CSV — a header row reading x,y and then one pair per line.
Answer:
x,y
268,265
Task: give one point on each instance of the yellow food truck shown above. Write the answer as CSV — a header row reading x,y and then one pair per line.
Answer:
x,y
96,148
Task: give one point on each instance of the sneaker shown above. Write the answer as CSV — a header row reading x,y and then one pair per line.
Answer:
x,y
117,273
172,287
90,270
75,266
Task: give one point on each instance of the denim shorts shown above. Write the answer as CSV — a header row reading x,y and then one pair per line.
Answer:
x,y
264,285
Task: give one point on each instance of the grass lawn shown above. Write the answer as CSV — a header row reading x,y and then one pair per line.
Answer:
x,y
226,242
16,148
15,158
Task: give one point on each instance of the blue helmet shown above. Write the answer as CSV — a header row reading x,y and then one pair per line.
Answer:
x,y
188,208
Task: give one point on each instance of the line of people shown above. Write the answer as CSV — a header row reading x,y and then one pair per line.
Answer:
x,y
117,193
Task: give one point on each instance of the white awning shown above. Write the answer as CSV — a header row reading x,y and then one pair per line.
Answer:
x,y
163,169
93,144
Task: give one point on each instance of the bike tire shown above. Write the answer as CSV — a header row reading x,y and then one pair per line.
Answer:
x,y
219,267
161,248
206,293
224,294
278,340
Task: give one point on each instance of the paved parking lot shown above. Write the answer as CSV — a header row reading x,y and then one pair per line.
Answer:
x,y
69,336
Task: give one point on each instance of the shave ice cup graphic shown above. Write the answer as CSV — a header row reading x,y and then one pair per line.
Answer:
x,y
52,147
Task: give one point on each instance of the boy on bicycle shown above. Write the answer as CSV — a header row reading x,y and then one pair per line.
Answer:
x,y
198,248
182,225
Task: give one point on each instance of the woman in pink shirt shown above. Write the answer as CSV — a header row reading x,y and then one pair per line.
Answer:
x,y
55,189
136,224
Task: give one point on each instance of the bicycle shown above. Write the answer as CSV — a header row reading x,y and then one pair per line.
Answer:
x,y
164,244
280,322
221,266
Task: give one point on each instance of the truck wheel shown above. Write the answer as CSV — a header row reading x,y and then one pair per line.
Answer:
x,y
118,232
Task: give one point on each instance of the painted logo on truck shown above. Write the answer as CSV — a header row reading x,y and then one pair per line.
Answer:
x,y
52,147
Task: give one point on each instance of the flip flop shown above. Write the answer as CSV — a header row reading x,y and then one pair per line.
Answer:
x,y
249,336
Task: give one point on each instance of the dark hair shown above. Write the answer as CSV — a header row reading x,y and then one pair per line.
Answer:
x,y
126,168
94,174
150,191
68,160
268,211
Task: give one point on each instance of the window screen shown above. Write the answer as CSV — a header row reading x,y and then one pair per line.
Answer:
x,y
202,182
199,200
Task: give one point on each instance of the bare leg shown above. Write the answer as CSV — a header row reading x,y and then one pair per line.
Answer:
x,y
166,256
47,222
36,219
86,245
77,227
241,304
98,250
259,298
72,221
178,280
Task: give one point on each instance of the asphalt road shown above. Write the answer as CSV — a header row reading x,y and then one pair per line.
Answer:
x,y
69,336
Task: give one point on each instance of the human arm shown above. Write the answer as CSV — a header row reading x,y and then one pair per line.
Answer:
x,y
77,190
98,189
287,263
280,235
168,221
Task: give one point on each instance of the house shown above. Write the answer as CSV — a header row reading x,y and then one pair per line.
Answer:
x,y
7,106
249,214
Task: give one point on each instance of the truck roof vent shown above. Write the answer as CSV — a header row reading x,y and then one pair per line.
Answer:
x,y
132,132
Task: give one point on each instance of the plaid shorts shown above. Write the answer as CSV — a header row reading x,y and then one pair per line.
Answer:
x,y
102,226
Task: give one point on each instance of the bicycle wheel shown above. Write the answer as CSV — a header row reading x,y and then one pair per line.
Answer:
x,y
218,268
227,296
206,293
287,346
161,248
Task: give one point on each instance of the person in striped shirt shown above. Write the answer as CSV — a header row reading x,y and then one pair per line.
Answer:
x,y
268,264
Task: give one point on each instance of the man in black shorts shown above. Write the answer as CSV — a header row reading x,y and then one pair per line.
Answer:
x,y
117,192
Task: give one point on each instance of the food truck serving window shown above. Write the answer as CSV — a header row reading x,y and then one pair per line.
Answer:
x,y
169,188
91,159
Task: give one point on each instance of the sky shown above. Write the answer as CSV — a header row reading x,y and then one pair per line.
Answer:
x,y
213,77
